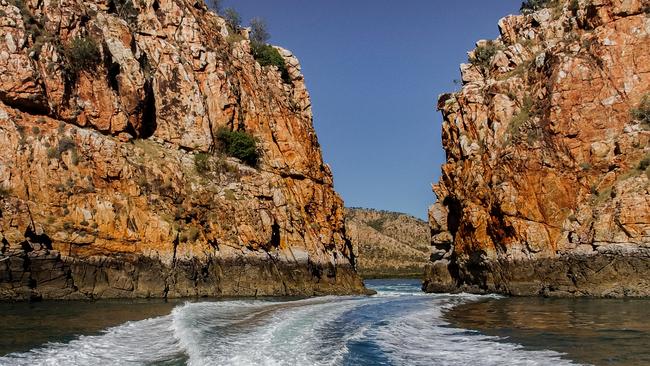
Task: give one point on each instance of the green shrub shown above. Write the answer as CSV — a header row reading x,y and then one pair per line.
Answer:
x,y
233,18
202,162
82,54
524,114
642,112
65,144
644,164
4,192
267,55
484,54
530,6
239,144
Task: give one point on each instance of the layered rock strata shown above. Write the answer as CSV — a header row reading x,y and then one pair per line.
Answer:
x,y
546,188
111,179
388,244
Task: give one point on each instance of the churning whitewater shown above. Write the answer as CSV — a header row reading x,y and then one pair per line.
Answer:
x,y
398,326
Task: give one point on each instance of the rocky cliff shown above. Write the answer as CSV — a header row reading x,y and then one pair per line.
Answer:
x,y
388,244
113,183
546,188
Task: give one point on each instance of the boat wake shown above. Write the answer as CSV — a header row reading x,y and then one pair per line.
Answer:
x,y
398,326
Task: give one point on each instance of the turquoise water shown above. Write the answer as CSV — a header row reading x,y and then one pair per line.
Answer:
x,y
398,326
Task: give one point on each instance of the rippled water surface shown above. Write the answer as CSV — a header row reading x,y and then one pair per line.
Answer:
x,y
398,326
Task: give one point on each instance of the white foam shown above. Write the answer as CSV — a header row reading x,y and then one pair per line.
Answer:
x,y
422,337
132,343
405,326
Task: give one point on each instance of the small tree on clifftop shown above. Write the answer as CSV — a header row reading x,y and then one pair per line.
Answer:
x,y
232,18
259,32
216,5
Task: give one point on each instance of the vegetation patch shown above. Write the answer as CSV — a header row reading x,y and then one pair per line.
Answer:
x,y
232,17
82,54
585,166
531,6
267,55
65,144
377,224
125,10
4,192
239,144
642,112
519,119
644,164
484,54
202,163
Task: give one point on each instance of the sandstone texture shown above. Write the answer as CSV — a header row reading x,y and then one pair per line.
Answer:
x,y
546,188
100,191
388,244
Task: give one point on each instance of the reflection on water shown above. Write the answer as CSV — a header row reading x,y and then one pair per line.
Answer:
x,y
595,331
26,325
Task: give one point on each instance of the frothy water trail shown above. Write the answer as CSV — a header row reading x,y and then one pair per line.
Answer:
x,y
398,326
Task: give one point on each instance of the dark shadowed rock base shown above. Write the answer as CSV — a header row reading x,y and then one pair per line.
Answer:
x,y
45,274
603,275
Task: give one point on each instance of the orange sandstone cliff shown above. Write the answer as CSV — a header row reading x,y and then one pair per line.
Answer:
x,y
111,179
546,188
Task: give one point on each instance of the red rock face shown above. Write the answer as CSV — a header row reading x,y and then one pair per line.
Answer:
x,y
546,189
102,195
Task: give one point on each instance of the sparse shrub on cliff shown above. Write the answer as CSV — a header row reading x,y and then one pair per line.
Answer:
x,y
259,32
267,55
216,6
642,112
125,10
644,164
205,163
530,6
65,144
585,166
202,162
239,144
233,18
521,117
4,192
82,54
484,54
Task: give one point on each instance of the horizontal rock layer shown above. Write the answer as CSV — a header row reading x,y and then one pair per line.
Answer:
x,y
112,179
546,188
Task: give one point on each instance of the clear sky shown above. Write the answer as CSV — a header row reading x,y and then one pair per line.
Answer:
x,y
374,69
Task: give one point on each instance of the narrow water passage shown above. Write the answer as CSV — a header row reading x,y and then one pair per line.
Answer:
x,y
398,326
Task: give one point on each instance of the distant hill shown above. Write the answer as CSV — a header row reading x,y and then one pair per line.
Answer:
x,y
388,244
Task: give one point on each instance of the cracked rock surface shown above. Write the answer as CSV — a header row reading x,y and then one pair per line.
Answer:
x,y
101,194
546,187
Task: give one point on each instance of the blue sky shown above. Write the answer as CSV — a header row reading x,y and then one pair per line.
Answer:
x,y
374,69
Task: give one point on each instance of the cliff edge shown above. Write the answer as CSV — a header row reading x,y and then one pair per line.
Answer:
x,y
114,181
546,188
